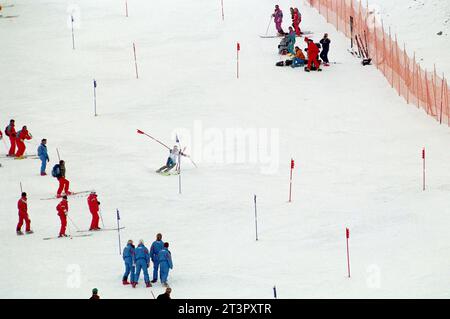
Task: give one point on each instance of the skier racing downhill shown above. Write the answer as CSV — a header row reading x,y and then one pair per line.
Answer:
x,y
172,160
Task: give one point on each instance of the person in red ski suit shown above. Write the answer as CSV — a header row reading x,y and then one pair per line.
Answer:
x,y
21,136
313,52
23,215
93,204
63,210
10,131
296,21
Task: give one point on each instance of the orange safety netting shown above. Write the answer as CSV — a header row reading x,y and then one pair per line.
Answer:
x,y
420,87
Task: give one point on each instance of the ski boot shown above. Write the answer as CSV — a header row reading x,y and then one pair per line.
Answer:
x,y
19,232
153,281
306,69
29,232
133,284
62,235
44,174
148,284
125,282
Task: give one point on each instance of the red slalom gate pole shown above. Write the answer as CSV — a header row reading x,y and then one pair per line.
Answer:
x,y
135,61
238,48
290,181
423,158
347,235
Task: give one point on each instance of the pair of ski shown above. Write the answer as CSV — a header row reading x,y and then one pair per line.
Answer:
x,y
280,36
33,156
363,51
74,194
82,235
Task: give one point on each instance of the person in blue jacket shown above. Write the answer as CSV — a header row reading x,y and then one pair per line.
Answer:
x,y
156,247
165,263
43,156
142,262
130,262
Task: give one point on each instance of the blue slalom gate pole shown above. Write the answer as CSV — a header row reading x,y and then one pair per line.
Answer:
x,y
73,36
118,232
275,292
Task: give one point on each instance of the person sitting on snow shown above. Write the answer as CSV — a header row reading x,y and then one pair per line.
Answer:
x,y
172,160
299,59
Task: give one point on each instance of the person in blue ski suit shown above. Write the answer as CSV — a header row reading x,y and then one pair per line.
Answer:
x,y
142,262
165,263
156,247
130,261
43,156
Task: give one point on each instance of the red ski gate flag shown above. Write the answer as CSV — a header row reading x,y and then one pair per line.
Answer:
x,y
423,153
238,47
292,164
347,233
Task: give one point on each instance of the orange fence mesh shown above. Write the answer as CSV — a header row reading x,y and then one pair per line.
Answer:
x,y
423,88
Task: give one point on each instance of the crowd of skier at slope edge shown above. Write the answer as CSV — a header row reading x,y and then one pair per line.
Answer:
x,y
136,259
287,44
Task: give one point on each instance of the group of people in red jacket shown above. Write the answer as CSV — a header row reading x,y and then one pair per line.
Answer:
x,y
62,211
17,139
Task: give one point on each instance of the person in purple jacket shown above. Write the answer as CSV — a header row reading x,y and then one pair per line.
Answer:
x,y
278,19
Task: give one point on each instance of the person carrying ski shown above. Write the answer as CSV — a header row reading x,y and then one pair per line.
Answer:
x,y
10,131
172,160
165,262
21,136
130,263
142,262
278,19
63,209
43,156
23,215
296,19
313,52
325,42
59,171
94,208
299,59
291,36
156,247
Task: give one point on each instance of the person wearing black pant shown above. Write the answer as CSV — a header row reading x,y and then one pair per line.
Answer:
x,y
325,42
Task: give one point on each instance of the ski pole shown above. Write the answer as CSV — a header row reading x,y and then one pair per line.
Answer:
x,y
73,36
152,294
268,26
68,228
57,152
73,223
101,218
21,191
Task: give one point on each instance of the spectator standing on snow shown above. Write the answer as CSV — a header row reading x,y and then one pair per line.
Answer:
x,y
129,259
325,42
21,136
142,262
10,131
166,295
63,210
94,207
296,21
278,19
43,156
94,294
23,215
59,171
156,247
165,263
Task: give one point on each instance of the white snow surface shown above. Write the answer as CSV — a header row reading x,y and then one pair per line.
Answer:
x,y
417,24
356,144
